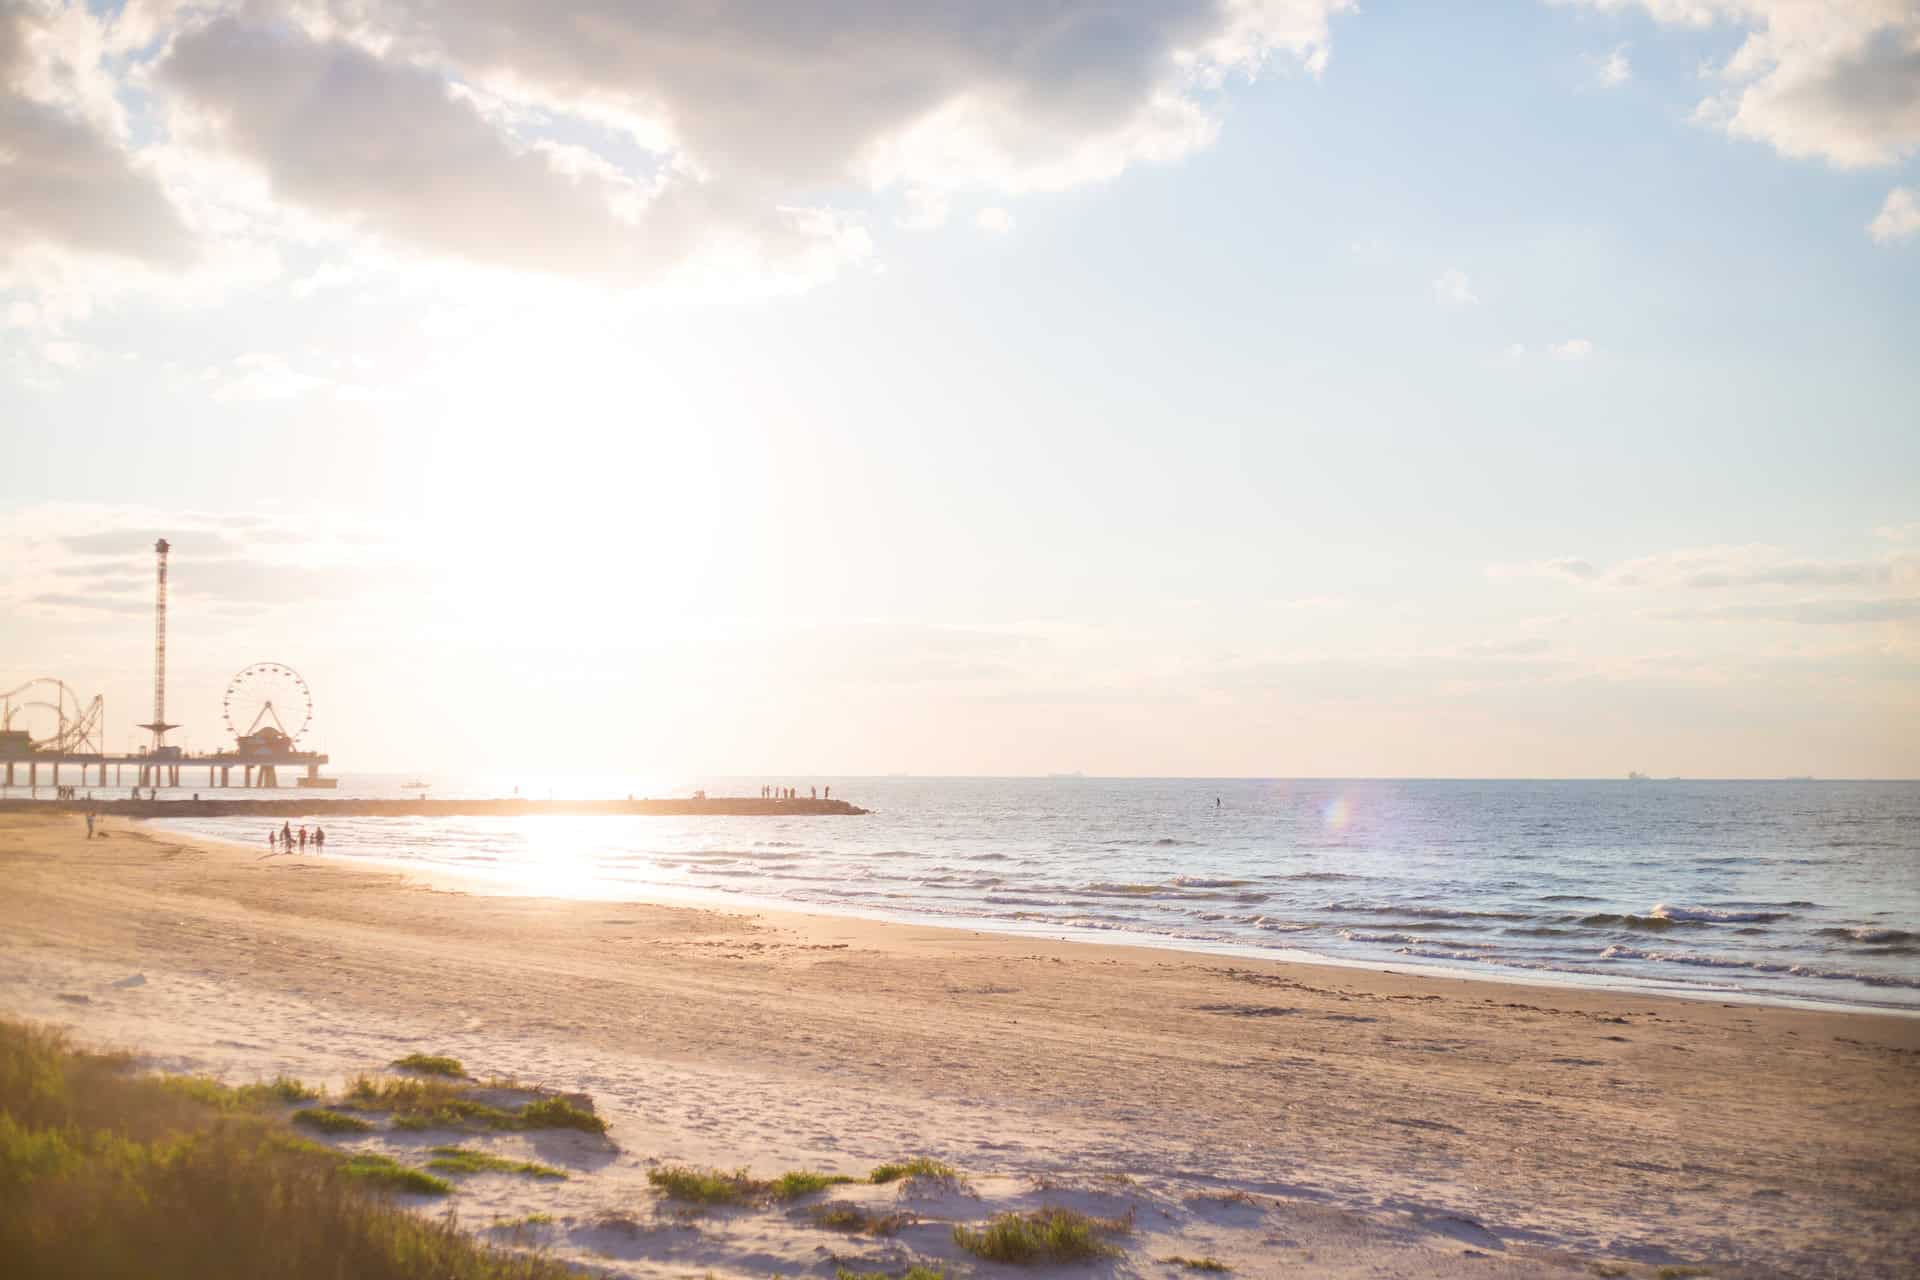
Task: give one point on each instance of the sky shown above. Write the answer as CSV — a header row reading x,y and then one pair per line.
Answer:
x,y
1203,388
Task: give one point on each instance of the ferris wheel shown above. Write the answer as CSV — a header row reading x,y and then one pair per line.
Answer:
x,y
267,695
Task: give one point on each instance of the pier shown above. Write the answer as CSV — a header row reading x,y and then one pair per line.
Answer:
x,y
22,765
705,806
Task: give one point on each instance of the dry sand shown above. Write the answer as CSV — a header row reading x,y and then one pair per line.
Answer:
x,y
1285,1119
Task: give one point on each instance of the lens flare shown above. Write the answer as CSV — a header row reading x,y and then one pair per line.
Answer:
x,y
1338,812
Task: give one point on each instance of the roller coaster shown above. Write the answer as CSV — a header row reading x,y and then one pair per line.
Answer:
x,y
45,703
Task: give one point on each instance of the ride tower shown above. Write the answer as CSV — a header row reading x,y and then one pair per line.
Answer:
x,y
160,726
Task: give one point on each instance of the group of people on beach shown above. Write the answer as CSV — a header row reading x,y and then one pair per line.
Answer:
x,y
792,793
284,840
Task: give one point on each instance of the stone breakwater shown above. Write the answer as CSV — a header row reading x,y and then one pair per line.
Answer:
x,y
312,807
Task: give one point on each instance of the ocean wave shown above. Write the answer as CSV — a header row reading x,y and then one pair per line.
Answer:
x,y
1361,935
1423,913
1279,926
1605,918
1867,933
1714,915
1618,952
1202,882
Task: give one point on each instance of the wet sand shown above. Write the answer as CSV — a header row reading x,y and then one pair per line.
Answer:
x,y
1286,1119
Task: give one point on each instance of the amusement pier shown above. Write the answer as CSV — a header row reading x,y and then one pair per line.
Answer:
x,y
267,707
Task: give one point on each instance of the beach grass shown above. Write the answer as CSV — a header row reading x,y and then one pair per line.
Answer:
x,y
1045,1235
915,1272
805,1182
1208,1263
918,1167
247,1097
389,1174
467,1160
107,1173
428,1064
330,1121
436,1103
558,1113
707,1186
842,1216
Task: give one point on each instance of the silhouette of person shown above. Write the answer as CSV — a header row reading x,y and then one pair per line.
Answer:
x,y
319,840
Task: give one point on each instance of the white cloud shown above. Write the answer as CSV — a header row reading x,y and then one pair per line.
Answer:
x,y
927,209
1614,70
1567,568
994,221
1454,289
1899,217
1839,81
578,138
1724,568
1572,349
68,183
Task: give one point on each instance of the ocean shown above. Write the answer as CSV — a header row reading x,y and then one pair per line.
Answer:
x,y
1782,891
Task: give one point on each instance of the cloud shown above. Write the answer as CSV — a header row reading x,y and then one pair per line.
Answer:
x,y
926,209
1719,568
615,143
67,183
103,604
1837,81
1722,568
1454,289
994,221
1614,70
1570,568
1899,217
1572,349
118,542
1809,612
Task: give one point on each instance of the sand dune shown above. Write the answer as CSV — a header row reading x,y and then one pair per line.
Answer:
x,y
1284,1119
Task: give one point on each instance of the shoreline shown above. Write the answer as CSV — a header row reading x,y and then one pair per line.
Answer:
x,y
514,807
478,882
1567,1124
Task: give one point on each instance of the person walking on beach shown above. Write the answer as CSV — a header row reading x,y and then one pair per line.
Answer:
x,y
89,826
319,839
286,836
273,838
303,838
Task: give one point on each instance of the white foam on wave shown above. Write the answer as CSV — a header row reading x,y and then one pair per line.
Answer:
x,y
1713,915
1618,952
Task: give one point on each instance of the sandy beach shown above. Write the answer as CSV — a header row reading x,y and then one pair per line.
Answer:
x,y
1284,1119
